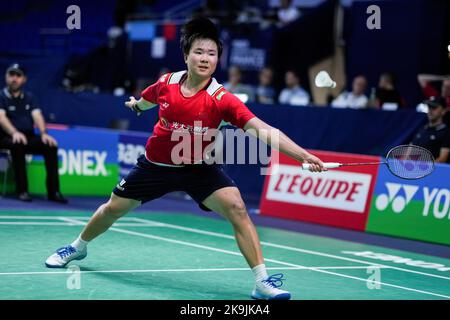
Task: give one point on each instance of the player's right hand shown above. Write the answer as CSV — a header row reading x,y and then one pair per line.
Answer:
x,y
19,137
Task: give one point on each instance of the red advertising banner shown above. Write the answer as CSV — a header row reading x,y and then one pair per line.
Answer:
x,y
338,197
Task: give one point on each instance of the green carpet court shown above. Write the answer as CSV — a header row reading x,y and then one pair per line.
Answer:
x,y
179,256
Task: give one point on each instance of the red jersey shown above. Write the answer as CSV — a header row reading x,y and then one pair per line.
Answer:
x,y
192,116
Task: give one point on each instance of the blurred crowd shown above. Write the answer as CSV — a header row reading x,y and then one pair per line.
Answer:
x,y
105,69
109,61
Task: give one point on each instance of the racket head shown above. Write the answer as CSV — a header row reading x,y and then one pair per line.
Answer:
x,y
410,162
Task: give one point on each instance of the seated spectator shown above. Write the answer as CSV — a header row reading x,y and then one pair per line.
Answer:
x,y
287,12
355,99
244,92
293,94
426,80
104,69
387,97
435,136
265,93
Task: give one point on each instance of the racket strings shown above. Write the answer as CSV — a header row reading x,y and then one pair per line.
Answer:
x,y
410,162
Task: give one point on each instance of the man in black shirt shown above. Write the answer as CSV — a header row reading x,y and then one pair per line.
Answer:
x,y
387,96
435,136
18,115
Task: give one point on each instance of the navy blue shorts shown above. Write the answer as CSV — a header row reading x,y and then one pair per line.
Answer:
x,y
147,181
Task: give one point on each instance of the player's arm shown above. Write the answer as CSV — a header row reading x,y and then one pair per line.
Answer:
x,y
278,140
8,127
443,155
425,78
39,121
139,105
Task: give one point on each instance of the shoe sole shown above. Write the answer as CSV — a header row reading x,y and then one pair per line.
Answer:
x,y
283,296
64,265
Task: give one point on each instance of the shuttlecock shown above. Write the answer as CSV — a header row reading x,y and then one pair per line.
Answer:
x,y
323,80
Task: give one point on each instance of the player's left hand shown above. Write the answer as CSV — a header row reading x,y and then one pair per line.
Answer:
x,y
132,104
48,140
132,101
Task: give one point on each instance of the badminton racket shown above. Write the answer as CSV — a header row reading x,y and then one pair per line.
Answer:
x,y
405,161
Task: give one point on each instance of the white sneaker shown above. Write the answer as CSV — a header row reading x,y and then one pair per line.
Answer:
x,y
267,289
63,256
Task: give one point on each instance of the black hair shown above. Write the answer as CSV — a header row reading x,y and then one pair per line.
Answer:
x,y
390,76
199,28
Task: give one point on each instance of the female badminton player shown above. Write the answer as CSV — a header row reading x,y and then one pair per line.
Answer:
x,y
185,99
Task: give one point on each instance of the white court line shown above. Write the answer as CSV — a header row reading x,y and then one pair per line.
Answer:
x,y
269,244
186,243
384,284
7,217
221,235
117,224
173,270
38,223
270,260
71,224
190,244
81,223
125,224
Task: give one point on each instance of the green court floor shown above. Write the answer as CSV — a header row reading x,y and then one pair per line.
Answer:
x,y
179,256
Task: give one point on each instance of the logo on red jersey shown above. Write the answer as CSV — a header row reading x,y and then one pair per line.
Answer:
x,y
164,105
219,96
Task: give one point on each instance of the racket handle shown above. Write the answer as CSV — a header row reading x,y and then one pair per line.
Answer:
x,y
328,165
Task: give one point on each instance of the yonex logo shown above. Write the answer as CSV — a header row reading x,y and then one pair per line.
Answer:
x,y
83,162
395,197
164,105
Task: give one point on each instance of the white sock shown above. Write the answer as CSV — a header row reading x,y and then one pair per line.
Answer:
x,y
260,272
79,244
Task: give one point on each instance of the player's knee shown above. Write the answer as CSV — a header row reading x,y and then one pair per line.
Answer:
x,y
237,211
112,210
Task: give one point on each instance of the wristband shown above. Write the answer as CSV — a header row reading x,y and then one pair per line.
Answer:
x,y
136,108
